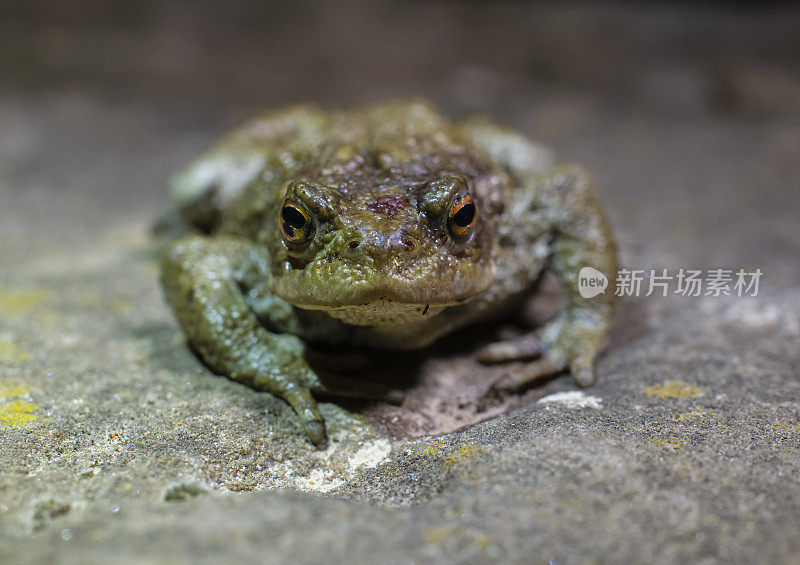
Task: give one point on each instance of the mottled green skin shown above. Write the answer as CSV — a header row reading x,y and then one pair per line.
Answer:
x,y
382,269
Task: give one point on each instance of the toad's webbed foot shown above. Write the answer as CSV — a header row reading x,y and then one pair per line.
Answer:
x,y
567,343
526,346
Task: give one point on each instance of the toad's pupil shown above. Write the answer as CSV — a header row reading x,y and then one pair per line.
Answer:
x,y
464,216
293,218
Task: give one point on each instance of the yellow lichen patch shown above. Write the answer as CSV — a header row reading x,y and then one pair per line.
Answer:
x,y
466,452
10,353
122,305
16,414
785,427
673,389
431,448
91,300
15,411
436,536
672,443
483,542
19,302
48,318
9,391
695,414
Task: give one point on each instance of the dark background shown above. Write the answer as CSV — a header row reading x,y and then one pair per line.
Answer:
x,y
111,78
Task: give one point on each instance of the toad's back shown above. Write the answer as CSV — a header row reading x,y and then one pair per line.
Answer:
x,y
371,150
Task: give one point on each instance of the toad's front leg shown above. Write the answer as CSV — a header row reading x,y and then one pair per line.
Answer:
x,y
581,238
203,279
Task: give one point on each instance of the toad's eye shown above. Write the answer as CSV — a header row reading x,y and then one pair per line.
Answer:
x,y
297,227
462,216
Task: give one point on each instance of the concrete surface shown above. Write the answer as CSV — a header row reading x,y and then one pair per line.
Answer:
x,y
116,445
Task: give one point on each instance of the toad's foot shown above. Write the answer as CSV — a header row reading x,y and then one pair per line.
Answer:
x,y
305,385
296,392
526,346
566,343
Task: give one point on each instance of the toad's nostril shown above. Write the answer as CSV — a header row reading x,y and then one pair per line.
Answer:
x,y
353,244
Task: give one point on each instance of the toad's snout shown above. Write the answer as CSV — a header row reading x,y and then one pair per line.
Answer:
x,y
377,248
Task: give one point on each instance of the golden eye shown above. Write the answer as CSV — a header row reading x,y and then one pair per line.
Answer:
x,y
296,223
462,216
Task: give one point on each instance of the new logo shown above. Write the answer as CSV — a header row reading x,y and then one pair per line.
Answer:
x,y
591,282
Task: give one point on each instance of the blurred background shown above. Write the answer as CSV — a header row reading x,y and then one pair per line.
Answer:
x,y
100,101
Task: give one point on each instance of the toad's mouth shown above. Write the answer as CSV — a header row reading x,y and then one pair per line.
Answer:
x,y
383,311
381,297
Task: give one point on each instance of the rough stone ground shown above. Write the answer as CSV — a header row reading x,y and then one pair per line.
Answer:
x,y
116,444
